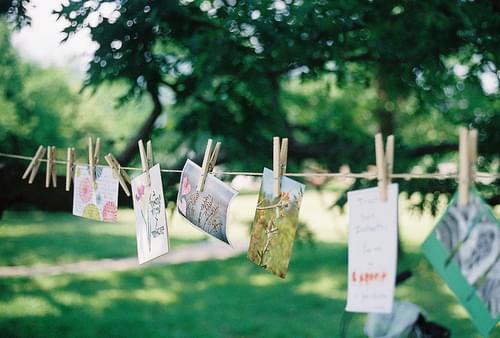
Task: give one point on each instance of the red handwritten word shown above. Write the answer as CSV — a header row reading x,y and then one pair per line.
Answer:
x,y
367,277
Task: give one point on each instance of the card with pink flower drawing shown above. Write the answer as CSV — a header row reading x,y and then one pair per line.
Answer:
x,y
96,200
150,217
206,210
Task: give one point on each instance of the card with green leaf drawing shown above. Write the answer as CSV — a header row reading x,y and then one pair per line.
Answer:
x,y
275,224
464,248
95,200
150,217
206,210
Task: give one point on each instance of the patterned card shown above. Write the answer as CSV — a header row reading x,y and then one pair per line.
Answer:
x,y
97,201
372,250
206,210
464,248
275,224
150,217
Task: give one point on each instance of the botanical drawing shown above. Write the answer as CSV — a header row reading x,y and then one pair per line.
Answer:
x,y
95,200
207,209
275,224
149,209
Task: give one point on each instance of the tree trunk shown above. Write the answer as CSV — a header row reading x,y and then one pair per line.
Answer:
x,y
384,116
144,133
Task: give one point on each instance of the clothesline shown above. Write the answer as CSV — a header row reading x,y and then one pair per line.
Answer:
x,y
405,176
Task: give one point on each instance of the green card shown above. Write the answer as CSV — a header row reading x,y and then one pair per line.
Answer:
x,y
464,248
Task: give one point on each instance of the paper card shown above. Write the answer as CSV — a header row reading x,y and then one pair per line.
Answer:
x,y
464,248
150,217
372,250
97,201
275,224
206,210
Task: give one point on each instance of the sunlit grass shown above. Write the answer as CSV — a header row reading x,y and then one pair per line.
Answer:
x,y
35,237
231,298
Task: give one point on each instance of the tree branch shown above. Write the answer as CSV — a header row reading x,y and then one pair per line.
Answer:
x,y
432,149
145,132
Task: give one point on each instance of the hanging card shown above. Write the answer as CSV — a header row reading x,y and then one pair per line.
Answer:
x,y
150,217
206,210
464,248
275,224
372,250
95,201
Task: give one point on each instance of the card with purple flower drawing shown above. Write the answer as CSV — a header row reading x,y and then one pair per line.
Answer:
x,y
207,210
151,221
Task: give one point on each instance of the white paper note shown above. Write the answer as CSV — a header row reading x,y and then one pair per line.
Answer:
x,y
150,218
372,251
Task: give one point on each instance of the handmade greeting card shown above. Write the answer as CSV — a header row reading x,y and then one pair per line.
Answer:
x,y
150,217
206,210
95,200
275,224
464,248
372,250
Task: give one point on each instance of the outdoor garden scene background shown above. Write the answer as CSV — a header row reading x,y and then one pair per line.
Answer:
x,y
327,75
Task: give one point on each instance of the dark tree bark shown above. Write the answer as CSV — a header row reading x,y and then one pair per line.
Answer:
x,y
16,192
384,116
144,133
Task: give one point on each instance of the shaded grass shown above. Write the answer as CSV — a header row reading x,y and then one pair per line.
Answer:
x,y
34,237
231,298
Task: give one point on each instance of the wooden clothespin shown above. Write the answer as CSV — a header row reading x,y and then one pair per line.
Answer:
x,y
385,163
94,157
280,155
51,167
208,164
34,164
146,159
467,149
70,167
121,174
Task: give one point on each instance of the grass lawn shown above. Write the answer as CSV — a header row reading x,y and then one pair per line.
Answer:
x,y
35,238
231,298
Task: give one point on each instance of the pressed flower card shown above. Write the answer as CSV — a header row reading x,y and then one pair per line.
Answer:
x,y
150,217
206,210
95,200
372,250
275,224
464,248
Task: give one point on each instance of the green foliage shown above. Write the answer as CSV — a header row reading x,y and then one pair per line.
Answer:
x,y
45,106
327,74
323,73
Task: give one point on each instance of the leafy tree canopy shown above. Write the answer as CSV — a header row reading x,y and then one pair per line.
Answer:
x,y
327,74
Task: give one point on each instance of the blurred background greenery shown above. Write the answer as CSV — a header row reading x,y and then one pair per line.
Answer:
x,y
325,74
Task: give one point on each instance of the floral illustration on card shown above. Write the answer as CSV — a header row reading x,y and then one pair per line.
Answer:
x,y
149,209
206,210
275,224
96,200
